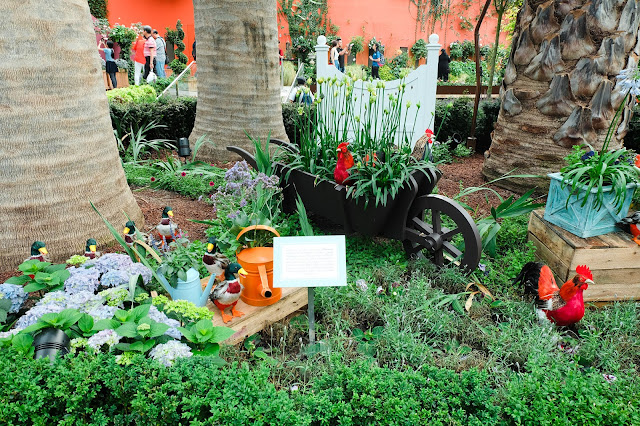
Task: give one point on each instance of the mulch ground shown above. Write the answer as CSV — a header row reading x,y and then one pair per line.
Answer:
x,y
465,173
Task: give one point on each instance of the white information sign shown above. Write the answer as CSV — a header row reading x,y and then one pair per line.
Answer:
x,y
309,261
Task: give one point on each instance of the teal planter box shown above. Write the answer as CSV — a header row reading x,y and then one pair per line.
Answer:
x,y
584,221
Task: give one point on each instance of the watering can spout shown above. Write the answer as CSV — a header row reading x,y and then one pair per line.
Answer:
x,y
265,291
166,284
207,290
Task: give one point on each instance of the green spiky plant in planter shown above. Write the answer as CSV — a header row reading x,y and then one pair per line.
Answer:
x,y
594,191
179,64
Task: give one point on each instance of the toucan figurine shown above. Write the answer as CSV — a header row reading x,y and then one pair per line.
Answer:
x,y
631,224
167,229
39,252
227,293
90,249
215,262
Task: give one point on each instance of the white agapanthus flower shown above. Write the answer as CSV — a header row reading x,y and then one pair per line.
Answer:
x,y
629,81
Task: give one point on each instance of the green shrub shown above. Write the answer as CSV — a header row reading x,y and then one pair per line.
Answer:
x,y
161,83
98,8
132,94
458,120
290,117
178,114
419,49
356,71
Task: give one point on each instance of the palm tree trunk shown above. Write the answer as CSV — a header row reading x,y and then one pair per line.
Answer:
x,y
238,80
560,87
58,150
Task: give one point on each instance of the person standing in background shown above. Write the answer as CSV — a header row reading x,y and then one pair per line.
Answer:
x,y
110,62
443,65
137,53
375,61
334,54
161,54
149,51
193,50
341,53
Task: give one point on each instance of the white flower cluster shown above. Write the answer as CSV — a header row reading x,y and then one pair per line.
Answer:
x,y
104,337
168,352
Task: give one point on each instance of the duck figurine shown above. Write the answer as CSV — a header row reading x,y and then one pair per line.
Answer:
x,y
227,293
631,224
39,252
167,229
90,249
215,262
130,232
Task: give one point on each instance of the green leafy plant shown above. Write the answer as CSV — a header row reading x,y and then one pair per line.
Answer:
x,y
141,331
5,307
367,340
357,45
262,155
455,50
204,338
39,276
133,94
182,310
257,352
134,145
180,258
76,260
62,321
419,49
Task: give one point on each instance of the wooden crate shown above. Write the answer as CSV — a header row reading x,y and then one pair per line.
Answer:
x,y
613,259
257,318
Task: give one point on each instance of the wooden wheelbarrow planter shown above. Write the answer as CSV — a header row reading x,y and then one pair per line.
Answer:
x,y
428,225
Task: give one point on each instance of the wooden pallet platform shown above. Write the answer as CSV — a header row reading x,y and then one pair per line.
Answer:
x,y
614,259
256,318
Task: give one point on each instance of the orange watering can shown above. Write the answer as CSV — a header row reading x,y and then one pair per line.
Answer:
x,y
258,262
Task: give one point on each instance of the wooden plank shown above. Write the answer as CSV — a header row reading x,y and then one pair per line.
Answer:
x,y
573,240
552,241
256,318
559,268
614,240
629,276
612,258
612,292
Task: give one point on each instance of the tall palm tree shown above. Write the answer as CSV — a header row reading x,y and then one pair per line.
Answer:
x,y
58,149
238,81
560,87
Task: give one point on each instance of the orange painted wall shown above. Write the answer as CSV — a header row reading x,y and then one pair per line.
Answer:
x,y
156,13
392,21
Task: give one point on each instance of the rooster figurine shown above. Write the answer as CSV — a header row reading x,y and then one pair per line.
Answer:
x,y
563,306
167,228
215,262
227,293
345,162
90,249
631,224
39,252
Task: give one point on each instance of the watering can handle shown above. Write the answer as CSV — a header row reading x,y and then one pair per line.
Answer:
x,y
257,227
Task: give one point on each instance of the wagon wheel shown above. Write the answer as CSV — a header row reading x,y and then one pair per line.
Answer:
x,y
428,235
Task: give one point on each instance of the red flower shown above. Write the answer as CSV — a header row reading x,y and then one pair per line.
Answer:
x,y
153,179
211,183
183,174
638,160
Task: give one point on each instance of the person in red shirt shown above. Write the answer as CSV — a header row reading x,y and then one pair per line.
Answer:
x,y
137,53
149,51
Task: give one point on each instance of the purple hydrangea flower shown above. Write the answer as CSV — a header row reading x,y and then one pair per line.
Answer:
x,y
168,352
139,268
102,312
115,278
587,155
82,279
111,261
84,301
15,293
104,337
33,315
159,316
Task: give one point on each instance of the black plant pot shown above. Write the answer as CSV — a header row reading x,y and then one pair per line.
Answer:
x,y
50,342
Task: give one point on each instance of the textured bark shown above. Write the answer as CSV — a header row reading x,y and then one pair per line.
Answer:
x,y
511,104
238,81
568,91
58,150
559,100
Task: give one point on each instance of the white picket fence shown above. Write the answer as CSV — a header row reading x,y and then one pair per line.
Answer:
x,y
420,89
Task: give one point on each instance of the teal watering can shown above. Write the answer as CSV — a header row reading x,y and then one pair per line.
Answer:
x,y
189,290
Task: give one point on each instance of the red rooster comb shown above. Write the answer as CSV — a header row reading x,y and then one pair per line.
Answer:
x,y
343,146
429,132
585,271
